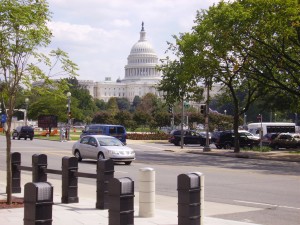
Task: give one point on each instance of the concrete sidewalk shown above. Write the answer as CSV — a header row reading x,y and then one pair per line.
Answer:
x,y
85,212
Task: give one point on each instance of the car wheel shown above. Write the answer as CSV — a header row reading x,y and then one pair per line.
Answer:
x,y
177,143
25,138
128,163
31,139
13,137
219,146
78,155
227,146
19,138
101,156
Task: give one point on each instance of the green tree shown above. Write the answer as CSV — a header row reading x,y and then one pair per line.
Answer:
x,y
135,103
214,52
272,31
123,104
23,30
103,117
112,106
85,105
124,118
148,104
142,118
162,118
100,104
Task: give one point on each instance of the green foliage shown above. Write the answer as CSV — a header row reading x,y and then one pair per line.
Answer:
x,y
112,106
24,29
147,136
123,104
258,149
103,117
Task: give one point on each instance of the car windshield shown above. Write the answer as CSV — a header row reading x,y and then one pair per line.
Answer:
x,y
109,141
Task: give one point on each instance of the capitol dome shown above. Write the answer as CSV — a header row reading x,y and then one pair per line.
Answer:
x,y
142,61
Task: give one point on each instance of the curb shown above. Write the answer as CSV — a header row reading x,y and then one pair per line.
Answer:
x,y
286,158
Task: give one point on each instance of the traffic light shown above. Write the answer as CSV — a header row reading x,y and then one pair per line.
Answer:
x,y
203,109
170,109
69,115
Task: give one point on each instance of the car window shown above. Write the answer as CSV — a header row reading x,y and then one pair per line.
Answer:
x,y
92,141
112,130
109,141
84,140
120,130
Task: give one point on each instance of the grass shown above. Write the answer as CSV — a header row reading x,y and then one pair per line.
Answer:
x,y
73,135
295,152
257,149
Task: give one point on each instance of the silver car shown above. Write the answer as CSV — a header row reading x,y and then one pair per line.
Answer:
x,y
102,147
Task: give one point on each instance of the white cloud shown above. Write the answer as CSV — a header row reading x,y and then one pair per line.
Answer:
x,y
99,34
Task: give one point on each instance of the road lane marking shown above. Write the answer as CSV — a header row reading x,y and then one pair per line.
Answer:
x,y
149,146
266,204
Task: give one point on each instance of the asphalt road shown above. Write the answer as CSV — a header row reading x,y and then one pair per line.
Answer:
x,y
272,188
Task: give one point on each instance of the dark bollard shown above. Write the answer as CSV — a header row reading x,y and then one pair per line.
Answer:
x,y
69,180
189,199
15,172
39,163
121,201
38,202
105,171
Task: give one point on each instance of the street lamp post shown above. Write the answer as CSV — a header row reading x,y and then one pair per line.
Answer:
x,y
69,116
26,110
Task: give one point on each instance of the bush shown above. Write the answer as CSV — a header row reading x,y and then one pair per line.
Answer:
x,y
147,136
258,149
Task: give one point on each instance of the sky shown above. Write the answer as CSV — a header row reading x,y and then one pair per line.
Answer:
x,y
99,34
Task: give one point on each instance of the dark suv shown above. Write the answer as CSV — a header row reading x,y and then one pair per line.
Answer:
x,y
189,137
226,139
23,132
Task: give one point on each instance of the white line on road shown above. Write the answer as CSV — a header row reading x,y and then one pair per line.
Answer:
x,y
266,204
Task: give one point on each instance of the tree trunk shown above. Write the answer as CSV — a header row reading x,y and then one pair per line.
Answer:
x,y
8,167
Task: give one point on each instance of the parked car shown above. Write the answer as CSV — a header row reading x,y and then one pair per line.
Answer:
x,y
215,136
102,147
189,137
286,140
23,132
268,138
226,139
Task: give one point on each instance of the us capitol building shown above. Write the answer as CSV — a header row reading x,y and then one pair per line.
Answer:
x,y
141,76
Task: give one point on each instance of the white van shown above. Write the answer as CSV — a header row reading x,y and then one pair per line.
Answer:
x,y
271,127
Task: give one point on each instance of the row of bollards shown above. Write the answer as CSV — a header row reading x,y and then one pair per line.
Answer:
x,y
38,199
116,195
